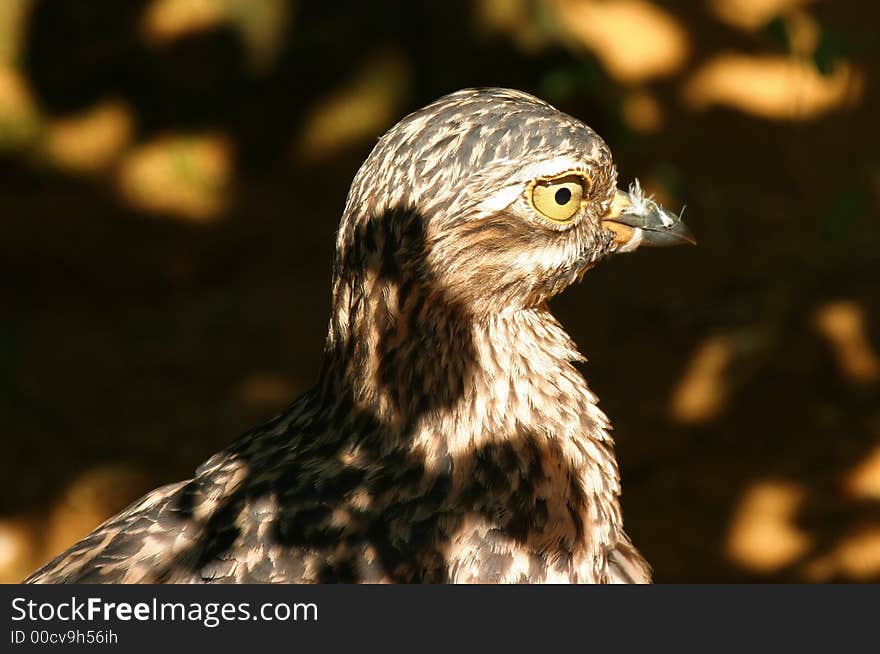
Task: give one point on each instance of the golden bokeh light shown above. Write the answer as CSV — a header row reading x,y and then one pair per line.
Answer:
x,y
13,16
863,481
642,112
358,111
803,33
701,393
261,24
772,86
89,500
751,15
184,176
634,40
18,548
763,536
166,20
19,115
90,142
856,558
844,326
515,19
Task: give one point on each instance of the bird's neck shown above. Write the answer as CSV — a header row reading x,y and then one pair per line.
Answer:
x,y
492,400
405,362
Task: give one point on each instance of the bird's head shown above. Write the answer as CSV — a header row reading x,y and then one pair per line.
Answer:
x,y
497,198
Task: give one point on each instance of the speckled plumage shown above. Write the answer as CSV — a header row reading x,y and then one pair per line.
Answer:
x,y
450,437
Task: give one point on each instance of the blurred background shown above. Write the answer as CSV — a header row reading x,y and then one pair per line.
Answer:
x,y
172,173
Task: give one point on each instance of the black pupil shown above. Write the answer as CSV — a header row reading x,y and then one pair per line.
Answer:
x,y
562,196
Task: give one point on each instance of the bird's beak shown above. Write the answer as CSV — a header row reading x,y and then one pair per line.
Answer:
x,y
637,220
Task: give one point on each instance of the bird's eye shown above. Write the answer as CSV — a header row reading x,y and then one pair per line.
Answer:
x,y
560,198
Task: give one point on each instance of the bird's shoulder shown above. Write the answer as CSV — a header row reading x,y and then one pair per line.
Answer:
x,y
122,548
164,535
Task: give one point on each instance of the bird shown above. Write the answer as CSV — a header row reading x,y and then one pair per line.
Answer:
x,y
450,436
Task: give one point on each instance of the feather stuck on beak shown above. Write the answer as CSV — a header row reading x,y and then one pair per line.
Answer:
x,y
637,220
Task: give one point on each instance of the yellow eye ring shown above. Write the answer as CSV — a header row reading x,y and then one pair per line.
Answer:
x,y
559,198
